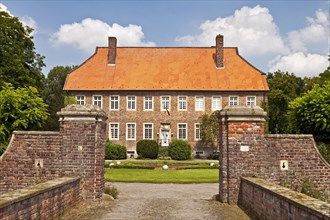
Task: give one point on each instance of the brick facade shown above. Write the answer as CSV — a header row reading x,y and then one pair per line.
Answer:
x,y
158,117
77,150
246,151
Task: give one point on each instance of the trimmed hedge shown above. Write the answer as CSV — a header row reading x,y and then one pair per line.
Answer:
x,y
114,151
180,150
147,149
163,153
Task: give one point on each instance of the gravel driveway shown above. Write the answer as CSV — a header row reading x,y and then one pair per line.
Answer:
x,y
160,201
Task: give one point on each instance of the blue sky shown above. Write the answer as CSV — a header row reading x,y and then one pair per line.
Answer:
x,y
289,35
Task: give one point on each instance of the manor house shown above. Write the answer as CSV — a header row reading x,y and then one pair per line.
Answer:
x,y
160,92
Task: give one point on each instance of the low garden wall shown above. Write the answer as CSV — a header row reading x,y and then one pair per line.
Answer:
x,y
42,201
265,200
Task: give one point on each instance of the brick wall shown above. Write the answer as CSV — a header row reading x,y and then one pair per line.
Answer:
x,y
246,151
265,200
76,151
303,157
17,164
43,201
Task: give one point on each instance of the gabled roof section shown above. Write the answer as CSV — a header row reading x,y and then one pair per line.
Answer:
x,y
147,68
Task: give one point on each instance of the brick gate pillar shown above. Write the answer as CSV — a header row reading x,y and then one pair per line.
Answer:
x,y
83,130
238,126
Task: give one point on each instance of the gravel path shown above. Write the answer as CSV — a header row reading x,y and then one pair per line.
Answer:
x,y
161,201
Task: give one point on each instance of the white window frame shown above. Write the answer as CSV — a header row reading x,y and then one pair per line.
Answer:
x,y
254,101
186,103
220,103
152,131
134,138
79,101
178,131
113,123
169,103
196,107
229,103
98,100
114,109
200,134
144,103
135,102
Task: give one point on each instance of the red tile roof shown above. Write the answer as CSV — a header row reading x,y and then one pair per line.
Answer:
x,y
176,68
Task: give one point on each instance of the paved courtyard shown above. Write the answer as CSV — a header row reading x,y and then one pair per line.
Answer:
x,y
159,201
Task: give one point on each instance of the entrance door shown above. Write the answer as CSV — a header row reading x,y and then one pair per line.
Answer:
x,y
165,138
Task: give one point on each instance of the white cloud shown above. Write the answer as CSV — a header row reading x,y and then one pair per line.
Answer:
x,y
26,20
316,32
300,64
252,30
90,33
4,8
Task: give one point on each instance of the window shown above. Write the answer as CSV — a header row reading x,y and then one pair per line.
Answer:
x,y
80,100
182,103
148,103
97,100
198,153
182,131
130,131
148,134
165,102
198,135
250,100
199,103
233,100
131,103
216,103
114,102
114,131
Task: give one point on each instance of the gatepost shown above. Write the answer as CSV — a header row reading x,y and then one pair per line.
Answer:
x,y
83,131
240,129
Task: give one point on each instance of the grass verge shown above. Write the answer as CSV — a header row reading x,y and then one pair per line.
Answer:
x,y
151,164
162,176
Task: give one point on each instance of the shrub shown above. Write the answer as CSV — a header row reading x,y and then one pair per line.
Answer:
x,y
114,151
163,153
308,187
147,149
2,149
112,191
213,156
180,150
325,151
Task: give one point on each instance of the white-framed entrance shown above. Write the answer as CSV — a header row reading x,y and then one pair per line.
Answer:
x,y
165,135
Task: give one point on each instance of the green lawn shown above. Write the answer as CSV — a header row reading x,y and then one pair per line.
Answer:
x,y
162,176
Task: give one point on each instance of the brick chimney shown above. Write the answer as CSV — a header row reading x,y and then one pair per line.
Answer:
x,y
112,50
219,51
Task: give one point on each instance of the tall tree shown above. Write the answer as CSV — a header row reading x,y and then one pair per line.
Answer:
x,y
54,95
310,113
20,65
284,87
20,109
209,126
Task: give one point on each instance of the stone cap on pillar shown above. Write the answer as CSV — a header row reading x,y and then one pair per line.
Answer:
x,y
243,113
82,111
